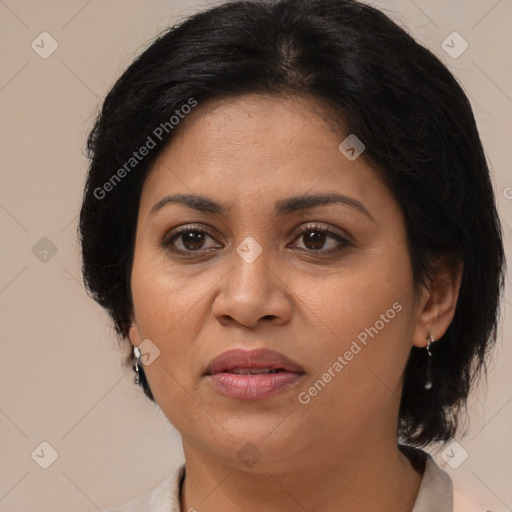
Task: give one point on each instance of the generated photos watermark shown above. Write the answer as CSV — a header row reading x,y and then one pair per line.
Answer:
x,y
305,397
138,156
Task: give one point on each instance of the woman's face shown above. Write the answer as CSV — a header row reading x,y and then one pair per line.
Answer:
x,y
250,274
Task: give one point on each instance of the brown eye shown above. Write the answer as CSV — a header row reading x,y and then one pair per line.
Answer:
x,y
315,238
192,240
187,239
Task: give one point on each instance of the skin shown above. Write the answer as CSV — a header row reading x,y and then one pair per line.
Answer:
x,y
338,452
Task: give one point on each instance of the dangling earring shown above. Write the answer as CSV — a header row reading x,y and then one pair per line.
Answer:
x,y
428,379
136,353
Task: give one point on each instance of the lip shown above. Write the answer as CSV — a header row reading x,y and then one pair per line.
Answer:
x,y
253,386
256,358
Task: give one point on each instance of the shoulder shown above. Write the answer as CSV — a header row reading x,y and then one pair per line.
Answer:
x,y
436,490
164,498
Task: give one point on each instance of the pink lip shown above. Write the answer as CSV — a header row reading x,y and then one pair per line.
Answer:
x,y
257,386
253,387
256,358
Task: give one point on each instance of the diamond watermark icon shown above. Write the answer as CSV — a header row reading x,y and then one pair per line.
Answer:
x,y
44,45
44,455
352,147
249,249
148,352
454,454
249,455
454,45
44,249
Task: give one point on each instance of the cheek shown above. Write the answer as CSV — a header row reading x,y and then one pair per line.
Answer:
x,y
364,318
160,308
353,298
163,298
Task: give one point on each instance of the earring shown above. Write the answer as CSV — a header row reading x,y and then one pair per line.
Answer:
x,y
136,353
428,379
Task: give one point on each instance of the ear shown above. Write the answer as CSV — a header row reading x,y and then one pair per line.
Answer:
x,y
438,302
134,335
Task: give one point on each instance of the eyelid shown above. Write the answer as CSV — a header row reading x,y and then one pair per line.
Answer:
x,y
320,227
344,240
168,235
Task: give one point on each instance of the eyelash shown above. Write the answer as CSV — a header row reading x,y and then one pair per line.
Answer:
x,y
168,239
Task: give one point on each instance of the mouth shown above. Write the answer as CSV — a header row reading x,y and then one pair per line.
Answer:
x,y
253,375
252,361
249,386
254,371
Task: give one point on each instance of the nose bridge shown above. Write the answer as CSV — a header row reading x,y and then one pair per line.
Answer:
x,y
251,262
251,290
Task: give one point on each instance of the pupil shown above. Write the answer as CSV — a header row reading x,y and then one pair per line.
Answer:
x,y
193,240
316,238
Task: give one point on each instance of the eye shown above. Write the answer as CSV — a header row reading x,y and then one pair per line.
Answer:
x,y
315,237
190,238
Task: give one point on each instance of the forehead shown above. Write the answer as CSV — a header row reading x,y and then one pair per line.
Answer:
x,y
257,146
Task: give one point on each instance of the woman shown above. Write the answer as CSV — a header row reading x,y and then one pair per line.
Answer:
x,y
289,215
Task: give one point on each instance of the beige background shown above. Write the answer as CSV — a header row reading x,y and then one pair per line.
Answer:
x,y
61,379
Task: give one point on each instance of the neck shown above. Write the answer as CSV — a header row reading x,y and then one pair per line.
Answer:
x,y
377,477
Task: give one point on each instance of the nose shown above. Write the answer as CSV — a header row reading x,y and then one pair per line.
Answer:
x,y
253,291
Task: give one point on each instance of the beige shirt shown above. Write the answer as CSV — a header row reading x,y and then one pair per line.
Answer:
x,y
435,493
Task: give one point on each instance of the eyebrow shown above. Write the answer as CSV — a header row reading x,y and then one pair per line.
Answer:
x,y
282,207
